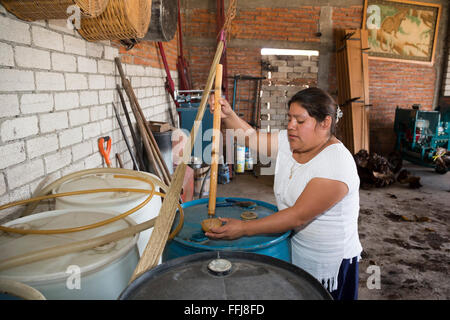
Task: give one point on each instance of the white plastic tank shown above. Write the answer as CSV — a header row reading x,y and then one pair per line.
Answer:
x,y
100,273
118,202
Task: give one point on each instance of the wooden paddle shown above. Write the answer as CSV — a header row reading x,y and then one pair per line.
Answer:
x,y
215,150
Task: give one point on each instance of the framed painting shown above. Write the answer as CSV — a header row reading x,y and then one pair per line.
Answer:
x,y
402,30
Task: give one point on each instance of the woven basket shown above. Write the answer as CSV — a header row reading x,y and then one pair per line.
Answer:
x,y
121,20
31,10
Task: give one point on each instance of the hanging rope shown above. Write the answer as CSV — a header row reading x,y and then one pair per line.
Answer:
x,y
231,14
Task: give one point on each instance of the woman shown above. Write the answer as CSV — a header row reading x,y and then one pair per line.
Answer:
x,y
317,192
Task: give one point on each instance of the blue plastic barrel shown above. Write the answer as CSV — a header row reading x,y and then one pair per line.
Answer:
x,y
191,239
188,113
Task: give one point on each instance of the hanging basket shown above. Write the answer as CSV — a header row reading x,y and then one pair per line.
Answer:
x,y
121,20
32,10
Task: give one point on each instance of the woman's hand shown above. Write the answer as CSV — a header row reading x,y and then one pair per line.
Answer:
x,y
226,109
232,229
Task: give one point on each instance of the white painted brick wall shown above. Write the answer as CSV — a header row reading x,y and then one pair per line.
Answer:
x,y
56,91
87,65
32,58
97,82
53,121
6,55
19,128
12,80
15,152
9,105
74,45
70,137
2,185
88,98
24,173
46,38
14,30
42,145
81,150
50,81
66,100
78,116
63,62
58,160
75,81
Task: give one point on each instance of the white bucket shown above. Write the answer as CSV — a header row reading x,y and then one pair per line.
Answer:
x,y
98,273
118,202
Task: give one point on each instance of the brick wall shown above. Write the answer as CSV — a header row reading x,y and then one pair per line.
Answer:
x,y
290,25
56,91
445,91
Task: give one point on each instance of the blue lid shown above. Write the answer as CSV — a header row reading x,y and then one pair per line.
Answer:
x,y
196,211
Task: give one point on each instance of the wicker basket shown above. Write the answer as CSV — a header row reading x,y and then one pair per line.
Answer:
x,y
121,20
31,10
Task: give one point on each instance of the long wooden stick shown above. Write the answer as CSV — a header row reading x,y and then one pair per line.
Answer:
x,y
130,127
215,142
147,137
164,221
153,144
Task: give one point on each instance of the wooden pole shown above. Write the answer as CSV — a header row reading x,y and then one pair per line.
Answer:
x,y
133,134
215,151
154,155
153,144
164,221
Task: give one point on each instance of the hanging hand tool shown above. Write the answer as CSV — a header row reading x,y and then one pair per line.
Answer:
x,y
105,153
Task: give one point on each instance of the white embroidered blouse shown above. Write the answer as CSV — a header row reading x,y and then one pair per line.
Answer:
x,y
320,246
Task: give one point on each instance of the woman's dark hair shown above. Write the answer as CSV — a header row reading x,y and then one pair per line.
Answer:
x,y
318,103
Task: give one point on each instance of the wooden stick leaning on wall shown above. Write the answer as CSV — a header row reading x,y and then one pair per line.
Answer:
x,y
164,221
153,144
150,145
130,127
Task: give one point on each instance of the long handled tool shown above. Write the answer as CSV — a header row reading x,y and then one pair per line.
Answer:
x,y
151,147
215,151
126,138
130,127
158,239
164,221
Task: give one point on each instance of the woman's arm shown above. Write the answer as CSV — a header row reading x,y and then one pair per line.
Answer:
x,y
318,196
263,143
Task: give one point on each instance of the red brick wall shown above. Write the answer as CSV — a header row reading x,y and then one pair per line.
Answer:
x,y
391,84
395,84
147,53
277,24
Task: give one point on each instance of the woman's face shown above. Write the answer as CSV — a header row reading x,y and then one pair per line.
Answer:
x,y
304,133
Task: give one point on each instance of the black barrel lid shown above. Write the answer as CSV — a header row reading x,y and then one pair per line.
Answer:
x,y
225,275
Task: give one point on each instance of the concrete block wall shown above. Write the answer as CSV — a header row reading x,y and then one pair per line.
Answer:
x,y
56,95
286,75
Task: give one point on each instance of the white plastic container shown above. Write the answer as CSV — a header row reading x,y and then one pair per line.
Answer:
x,y
98,273
118,202
240,159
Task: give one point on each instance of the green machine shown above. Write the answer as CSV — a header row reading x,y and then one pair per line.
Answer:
x,y
420,133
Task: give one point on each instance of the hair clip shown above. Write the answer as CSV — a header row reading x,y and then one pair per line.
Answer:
x,y
339,114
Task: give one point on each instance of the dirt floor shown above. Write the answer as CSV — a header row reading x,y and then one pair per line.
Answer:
x,y
405,234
